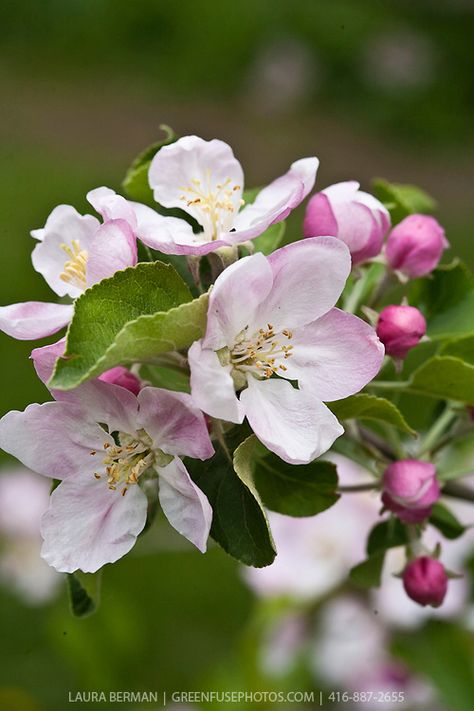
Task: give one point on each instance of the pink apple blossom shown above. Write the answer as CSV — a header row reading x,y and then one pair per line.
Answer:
x,y
122,376
204,179
355,217
73,252
271,324
100,440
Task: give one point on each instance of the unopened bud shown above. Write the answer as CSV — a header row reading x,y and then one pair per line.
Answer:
x,y
425,581
400,328
415,245
355,217
410,488
123,377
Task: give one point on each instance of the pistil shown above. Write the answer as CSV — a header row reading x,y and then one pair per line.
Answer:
x,y
262,354
216,204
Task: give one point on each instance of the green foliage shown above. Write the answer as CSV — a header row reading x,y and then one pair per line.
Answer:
x,y
303,490
402,200
271,239
462,348
443,652
135,183
446,522
455,460
368,574
133,316
387,534
446,378
447,301
370,407
239,522
84,592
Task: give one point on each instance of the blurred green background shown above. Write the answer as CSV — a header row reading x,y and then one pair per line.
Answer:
x,y
372,88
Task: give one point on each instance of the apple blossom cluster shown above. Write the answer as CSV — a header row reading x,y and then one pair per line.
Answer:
x,y
211,359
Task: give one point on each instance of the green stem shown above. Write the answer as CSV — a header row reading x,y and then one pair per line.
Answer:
x,y
438,428
458,491
369,486
389,384
352,303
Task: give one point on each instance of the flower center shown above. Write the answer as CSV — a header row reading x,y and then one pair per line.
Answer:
x,y
216,204
74,270
126,462
263,353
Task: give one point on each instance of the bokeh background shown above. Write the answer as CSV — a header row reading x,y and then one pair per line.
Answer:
x,y
373,89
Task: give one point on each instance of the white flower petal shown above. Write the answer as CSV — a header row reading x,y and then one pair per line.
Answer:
x,y
292,423
88,525
34,319
212,386
185,506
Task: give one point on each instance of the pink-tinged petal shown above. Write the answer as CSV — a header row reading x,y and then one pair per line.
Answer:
x,y
185,506
87,525
64,229
174,423
212,386
112,206
99,400
293,423
44,359
190,170
113,248
359,229
275,202
103,402
34,319
236,294
170,235
337,355
319,219
308,278
377,208
54,439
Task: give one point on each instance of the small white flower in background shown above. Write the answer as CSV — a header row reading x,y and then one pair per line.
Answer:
x,y
350,650
271,321
24,497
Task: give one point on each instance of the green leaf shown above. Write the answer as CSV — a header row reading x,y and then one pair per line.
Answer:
x,y
135,182
84,592
163,377
446,378
447,300
456,460
370,407
446,522
402,200
387,534
368,574
239,522
303,490
462,348
271,239
444,653
133,316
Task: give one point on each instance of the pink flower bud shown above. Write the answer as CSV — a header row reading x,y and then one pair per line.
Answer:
x,y
425,581
355,217
415,245
410,488
123,377
400,328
